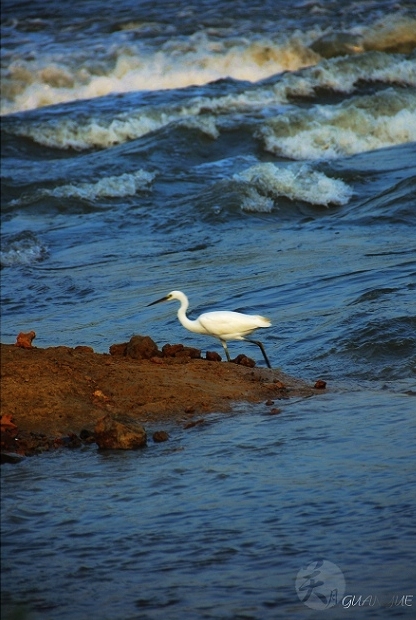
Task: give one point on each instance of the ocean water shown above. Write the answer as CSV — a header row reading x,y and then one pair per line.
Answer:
x,y
261,157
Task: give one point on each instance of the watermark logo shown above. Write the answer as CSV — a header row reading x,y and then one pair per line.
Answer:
x,y
320,585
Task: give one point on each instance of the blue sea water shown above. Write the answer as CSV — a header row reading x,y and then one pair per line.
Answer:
x,y
260,157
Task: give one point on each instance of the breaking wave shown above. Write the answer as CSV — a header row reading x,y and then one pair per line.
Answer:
x,y
267,182
354,126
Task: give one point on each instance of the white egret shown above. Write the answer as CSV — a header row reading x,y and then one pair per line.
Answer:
x,y
224,324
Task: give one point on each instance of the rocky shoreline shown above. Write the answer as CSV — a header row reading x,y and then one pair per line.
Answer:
x,y
66,397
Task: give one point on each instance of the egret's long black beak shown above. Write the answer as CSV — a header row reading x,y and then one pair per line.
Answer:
x,y
158,301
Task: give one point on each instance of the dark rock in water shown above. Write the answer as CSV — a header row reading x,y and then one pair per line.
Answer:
x,y
275,411
320,384
71,441
141,348
119,434
159,436
87,436
10,457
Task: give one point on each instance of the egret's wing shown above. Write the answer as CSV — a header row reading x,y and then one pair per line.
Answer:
x,y
231,325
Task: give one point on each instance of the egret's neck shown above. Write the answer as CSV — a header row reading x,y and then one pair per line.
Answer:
x,y
187,323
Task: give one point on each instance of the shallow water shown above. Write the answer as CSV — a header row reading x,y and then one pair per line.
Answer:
x,y
218,522
285,187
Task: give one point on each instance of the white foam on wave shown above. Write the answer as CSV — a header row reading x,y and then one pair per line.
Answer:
x,y
42,81
267,182
344,72
127,184
340,74
124,62
357,125
93,132
23,248
67,133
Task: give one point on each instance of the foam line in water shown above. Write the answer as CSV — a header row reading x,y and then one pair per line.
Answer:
x,y
267,182
45,80
126,184
357,125
340,74
42,75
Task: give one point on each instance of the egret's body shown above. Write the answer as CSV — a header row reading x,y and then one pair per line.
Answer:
x,y
223,324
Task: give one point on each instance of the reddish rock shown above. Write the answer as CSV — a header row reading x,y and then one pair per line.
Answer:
x,y
81,348
243,360
192,353
170,350
320,385
7,425
119,434
141,348
279,385
8,434
118,350
180,351
25,340
213,356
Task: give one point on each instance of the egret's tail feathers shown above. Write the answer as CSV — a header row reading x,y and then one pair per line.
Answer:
x,y
264,321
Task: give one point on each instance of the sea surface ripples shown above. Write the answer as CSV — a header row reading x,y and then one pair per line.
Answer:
x,y
262,159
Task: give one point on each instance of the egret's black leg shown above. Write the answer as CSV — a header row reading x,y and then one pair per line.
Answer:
x,y
259,344
224,344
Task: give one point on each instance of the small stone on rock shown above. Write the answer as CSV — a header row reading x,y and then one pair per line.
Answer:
x,y
25,340
243,360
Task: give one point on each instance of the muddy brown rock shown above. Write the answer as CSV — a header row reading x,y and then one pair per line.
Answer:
x,y
141,348
119,434
243,360
180,351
